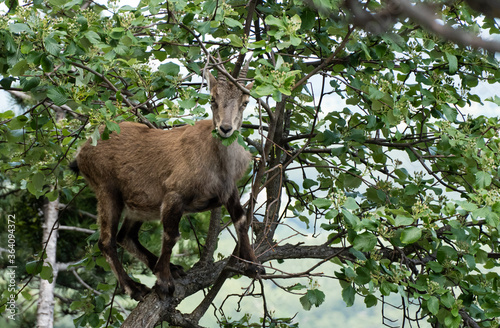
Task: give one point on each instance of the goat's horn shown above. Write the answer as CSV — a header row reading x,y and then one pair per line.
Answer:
x,y
220,77
244,70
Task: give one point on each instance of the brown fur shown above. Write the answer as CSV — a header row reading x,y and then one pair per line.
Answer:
x,y
149,174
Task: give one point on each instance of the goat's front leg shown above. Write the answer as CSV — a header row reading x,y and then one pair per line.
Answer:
x,y
241,224
171,213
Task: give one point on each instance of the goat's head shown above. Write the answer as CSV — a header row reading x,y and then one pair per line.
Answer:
x,y
228,104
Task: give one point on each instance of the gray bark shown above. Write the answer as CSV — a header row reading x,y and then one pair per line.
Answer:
x,y
45,310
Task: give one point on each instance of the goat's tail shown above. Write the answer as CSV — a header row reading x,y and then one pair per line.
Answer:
x,y
74,167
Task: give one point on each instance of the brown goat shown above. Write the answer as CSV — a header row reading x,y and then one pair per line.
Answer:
x,y
149,174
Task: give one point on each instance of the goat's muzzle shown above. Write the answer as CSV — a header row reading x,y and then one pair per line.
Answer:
x,y
225,130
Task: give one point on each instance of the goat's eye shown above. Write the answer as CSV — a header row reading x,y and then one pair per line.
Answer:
x,y
244,104
213,103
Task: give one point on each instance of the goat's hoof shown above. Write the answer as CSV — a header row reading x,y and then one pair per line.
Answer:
x,y
164,288
254,270
177,271
138,291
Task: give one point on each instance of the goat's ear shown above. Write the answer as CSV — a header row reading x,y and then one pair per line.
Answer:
x,y
212,82
249,86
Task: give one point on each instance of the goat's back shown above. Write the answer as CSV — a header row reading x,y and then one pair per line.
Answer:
x,y
143,164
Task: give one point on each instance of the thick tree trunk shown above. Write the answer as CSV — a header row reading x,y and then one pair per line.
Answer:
x,y
45,311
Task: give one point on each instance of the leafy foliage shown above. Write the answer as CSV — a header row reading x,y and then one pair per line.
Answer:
x,y
366,134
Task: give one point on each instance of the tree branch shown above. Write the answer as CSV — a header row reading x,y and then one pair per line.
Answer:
x,y
248,23
326,62
115,89
384,19
78,229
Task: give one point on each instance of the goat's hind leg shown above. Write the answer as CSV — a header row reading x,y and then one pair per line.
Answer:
x,y
128,238
171,213
109,208
241,224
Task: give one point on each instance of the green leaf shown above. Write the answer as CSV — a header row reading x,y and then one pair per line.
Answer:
x,y
109,105
161,55
101,261
57,95
358,254
93,319
232,22
38,180
31,83
370,300
492,219
100,303
470,260
467,206
264,90
209,6
95,136
117,33
235,40
226,141
19,27
93,37
105,287
34,267
452,62
352,220
483,179
386,288
170,69
351,181
271,20
47,64
403,220
448,300
351,204
410,235
6,82
348,294
433,305
70,4
52,46
113,126
308,183
313,297
452,321
411,189
187,103
328,137
331,214
446,253
297,286
46,273
18,122
57,3
322,203
450,113
306,305
375,93
257,44
52,196
19,68
365,242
